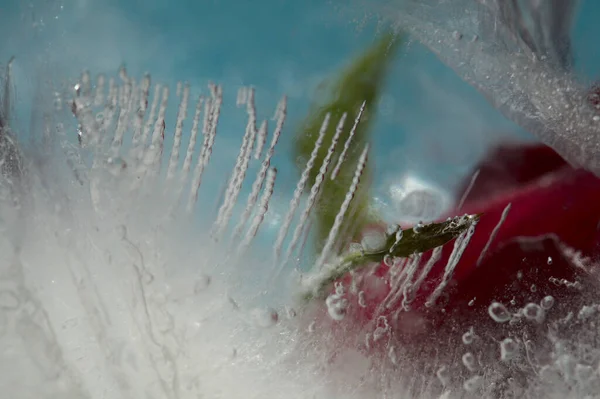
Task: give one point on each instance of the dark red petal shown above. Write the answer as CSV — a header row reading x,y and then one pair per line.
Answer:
x,y
508,167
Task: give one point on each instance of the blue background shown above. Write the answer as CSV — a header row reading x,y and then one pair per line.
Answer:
x,y
431,124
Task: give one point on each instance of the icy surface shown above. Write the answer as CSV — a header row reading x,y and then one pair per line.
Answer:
x,y
111,287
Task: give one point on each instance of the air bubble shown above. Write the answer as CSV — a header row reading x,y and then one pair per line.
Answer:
x,y
336,306
498,312
508,349
473,383
290,312
533,311
265,317
533,288
388,260
469,361
361,299
116,166
547,302
468,337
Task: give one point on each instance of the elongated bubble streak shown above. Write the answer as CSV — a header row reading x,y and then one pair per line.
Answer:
x,y
138,150
187,161
181,116
263,207
260,142
339,218
402,282
459,247
124,115
435,257
212,109
314,192
260,176
239,173
342,157
295,201
254,192
138,123
494,233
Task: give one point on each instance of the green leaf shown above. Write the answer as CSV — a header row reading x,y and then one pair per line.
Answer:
x,y
362,81
412,242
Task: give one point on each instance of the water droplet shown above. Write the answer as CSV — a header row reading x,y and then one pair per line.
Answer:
x,y
473,383
547,302
469,361
519,275
336,306
508,349
472,301
596,118
498,312
549,261
418,227
533,312
202,283
265,317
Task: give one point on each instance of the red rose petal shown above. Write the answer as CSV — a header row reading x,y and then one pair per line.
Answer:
x,y
551,205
